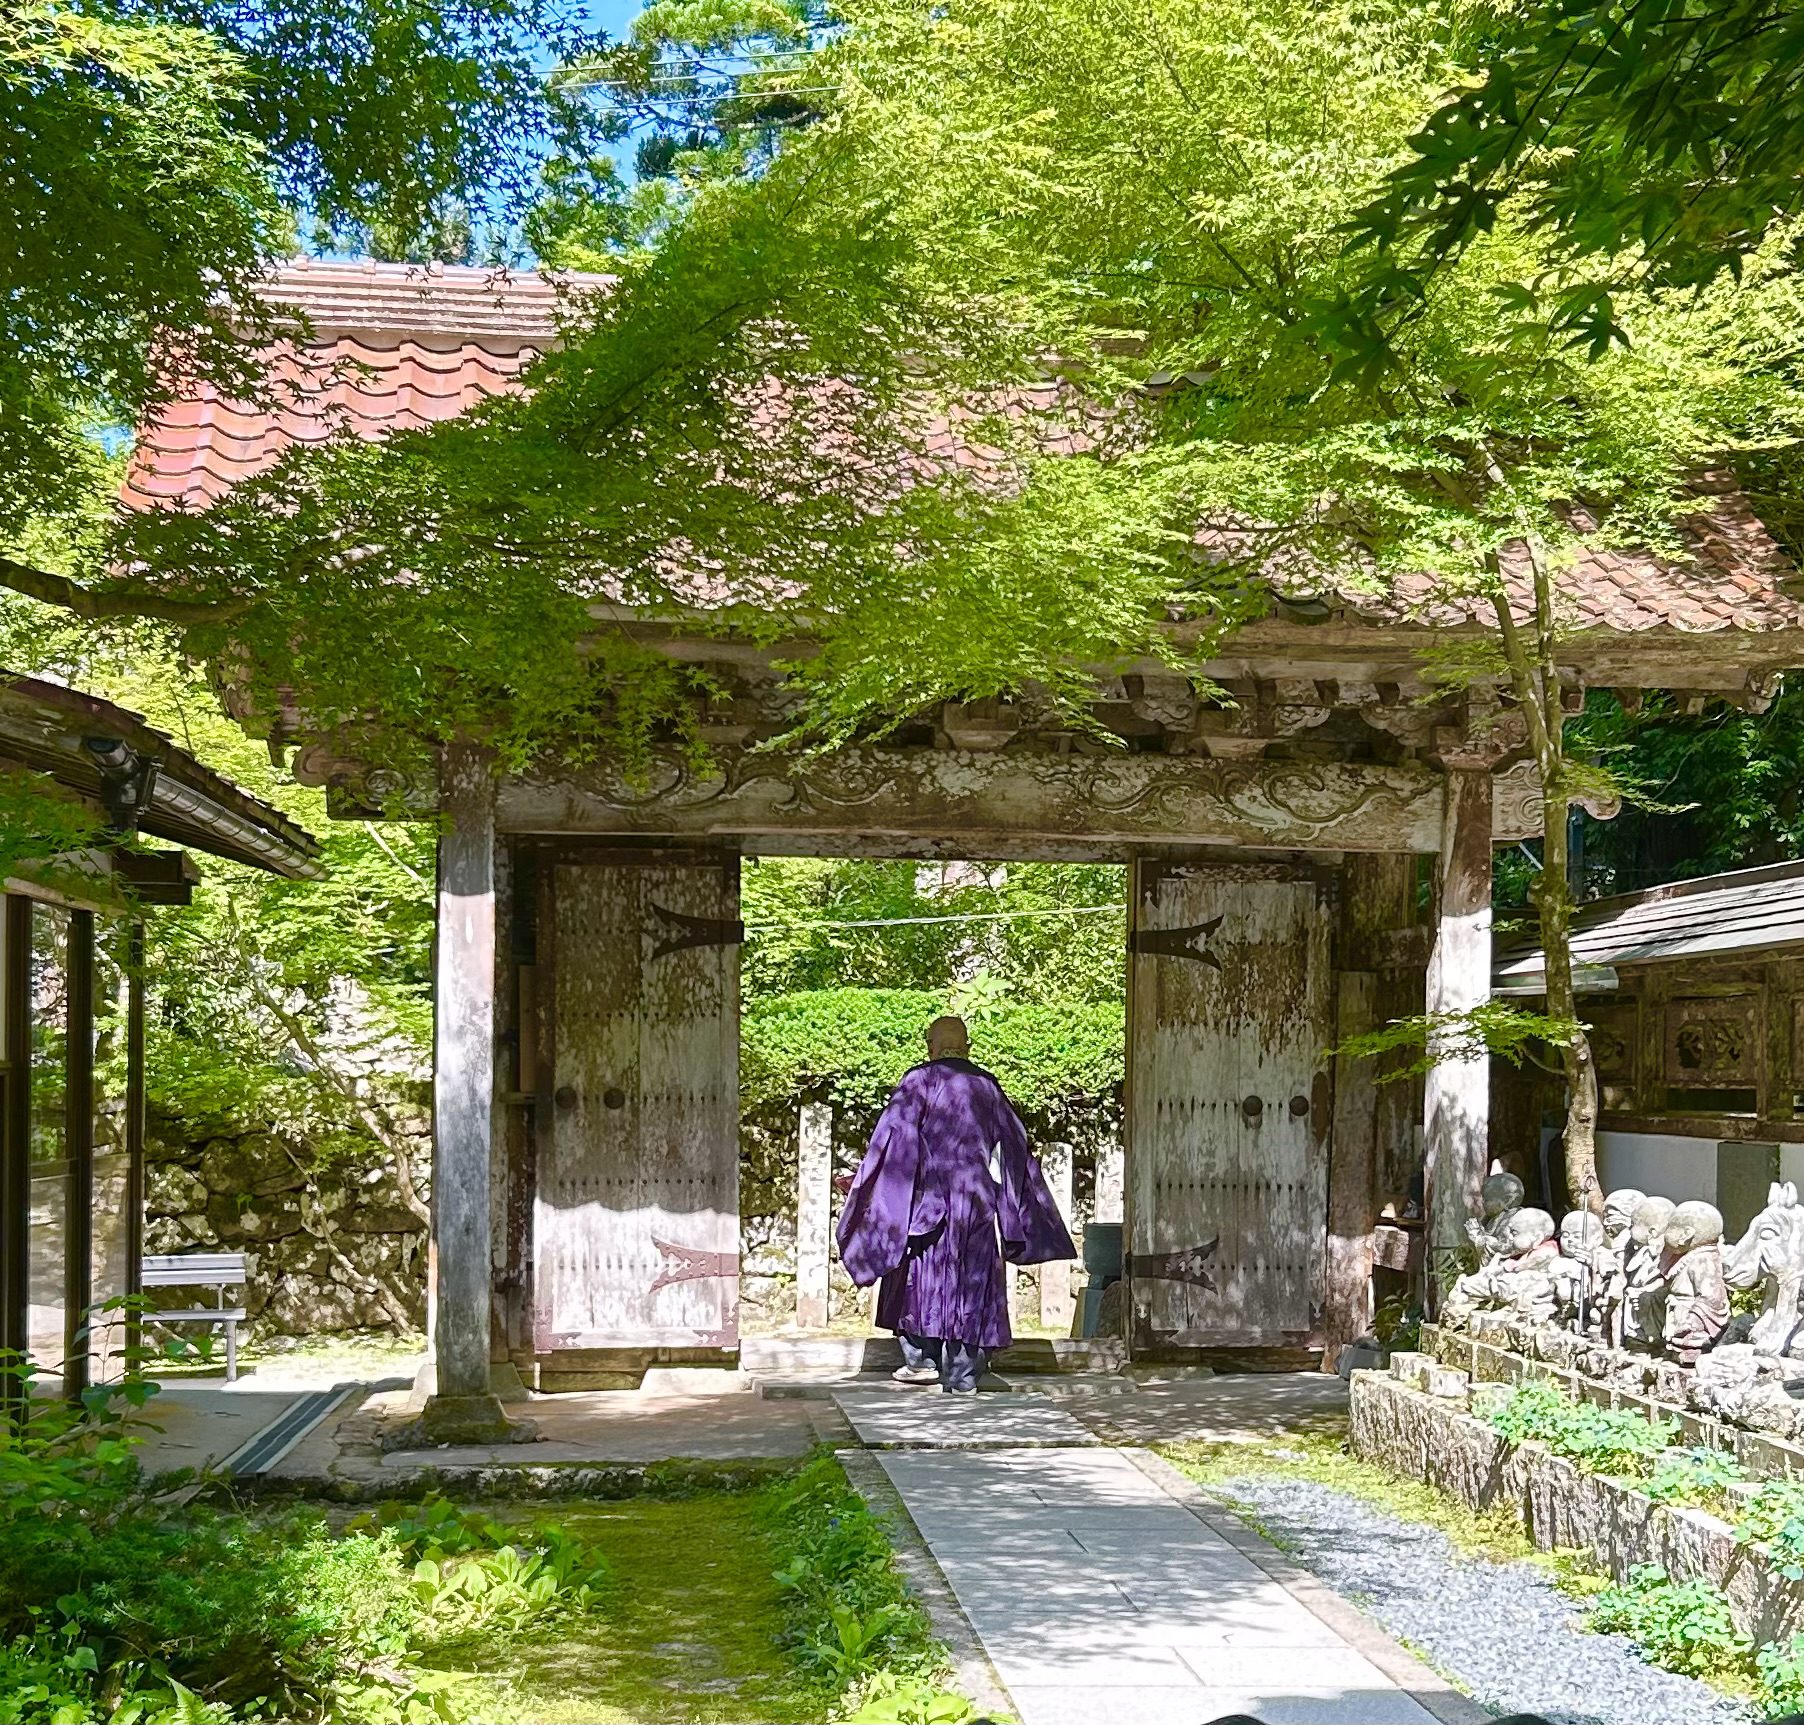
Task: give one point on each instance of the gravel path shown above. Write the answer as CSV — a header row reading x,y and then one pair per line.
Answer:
x,y
1502,1631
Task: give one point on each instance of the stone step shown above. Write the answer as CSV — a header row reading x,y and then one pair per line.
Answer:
x,y
846,1356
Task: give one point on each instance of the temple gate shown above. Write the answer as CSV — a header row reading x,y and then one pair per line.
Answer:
x,y
1273,812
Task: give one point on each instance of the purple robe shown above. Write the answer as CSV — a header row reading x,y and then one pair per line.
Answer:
x,y
928,1217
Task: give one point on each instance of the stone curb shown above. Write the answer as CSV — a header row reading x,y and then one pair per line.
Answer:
x,y
972,1671
1420,1682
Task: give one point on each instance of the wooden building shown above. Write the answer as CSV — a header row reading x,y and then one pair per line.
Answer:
x,y
1695,997
72,1005
1277,848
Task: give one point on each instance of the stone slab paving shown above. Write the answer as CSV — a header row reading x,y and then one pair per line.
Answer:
x,y
1243,1407
925,1418
1100,1598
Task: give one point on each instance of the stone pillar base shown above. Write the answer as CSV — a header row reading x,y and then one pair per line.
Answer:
x,y
462,1420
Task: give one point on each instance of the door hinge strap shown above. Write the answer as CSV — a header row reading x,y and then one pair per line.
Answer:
x,y
1189,1265
683,930
1191,942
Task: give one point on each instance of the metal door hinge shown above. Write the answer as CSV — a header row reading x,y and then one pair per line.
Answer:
x,y
1189,1265
1191,942
683,930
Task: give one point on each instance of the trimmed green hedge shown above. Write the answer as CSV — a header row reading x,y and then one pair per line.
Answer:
x,y
853,1044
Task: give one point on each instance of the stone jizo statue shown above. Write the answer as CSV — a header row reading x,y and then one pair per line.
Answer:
x,y
1519,1279
1697,1297
1644,1279
1579,1270
1770,1256
1501,1196
1609,1298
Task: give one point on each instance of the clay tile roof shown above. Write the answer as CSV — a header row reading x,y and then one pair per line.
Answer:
x,y
391,347
394,346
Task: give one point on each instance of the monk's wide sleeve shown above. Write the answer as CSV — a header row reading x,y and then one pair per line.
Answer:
x,y
1033,1231
873,1225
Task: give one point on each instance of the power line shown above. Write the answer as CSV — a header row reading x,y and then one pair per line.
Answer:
x,y
962,916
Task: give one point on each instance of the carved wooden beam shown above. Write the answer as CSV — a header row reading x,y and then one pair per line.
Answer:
x,y
975,799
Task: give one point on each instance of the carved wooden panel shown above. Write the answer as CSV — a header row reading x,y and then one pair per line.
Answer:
x,y
1229,1102
1712,1043
1615,1039
636,1214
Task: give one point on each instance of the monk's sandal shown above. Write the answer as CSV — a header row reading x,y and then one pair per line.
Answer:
x,y
916,1375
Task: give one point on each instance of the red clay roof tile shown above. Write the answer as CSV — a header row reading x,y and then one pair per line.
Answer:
x,y
391,347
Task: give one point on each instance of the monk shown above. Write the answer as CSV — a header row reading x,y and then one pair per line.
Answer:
x,y
946,1191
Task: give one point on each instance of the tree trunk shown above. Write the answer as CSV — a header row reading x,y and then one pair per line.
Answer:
x,y
1554,902
1534,673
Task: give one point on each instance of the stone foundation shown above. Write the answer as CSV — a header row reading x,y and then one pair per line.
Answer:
x,y
1416,1423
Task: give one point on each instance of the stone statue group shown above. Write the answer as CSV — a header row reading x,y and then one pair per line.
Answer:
x,y
1648,1273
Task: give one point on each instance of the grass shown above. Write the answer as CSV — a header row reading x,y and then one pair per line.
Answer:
x,y
692,1628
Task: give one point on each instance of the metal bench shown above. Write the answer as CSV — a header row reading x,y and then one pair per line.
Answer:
x,y
216,1270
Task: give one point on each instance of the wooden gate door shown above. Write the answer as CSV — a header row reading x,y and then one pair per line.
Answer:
x,y
636,1199
1228,1103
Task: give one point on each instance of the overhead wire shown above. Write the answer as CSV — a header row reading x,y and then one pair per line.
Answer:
x,y
771,924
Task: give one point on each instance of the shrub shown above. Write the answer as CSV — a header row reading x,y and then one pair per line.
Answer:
x,y
1773,1520
851,1618
1698,1476
1601,1440
1684,1627
119,1607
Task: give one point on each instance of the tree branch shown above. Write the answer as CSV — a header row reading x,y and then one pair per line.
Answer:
x,y
94,607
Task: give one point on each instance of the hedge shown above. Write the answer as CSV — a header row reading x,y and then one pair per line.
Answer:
x,y
852,1045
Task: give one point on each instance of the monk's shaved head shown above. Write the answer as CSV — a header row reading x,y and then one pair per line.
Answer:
x,y
947,1039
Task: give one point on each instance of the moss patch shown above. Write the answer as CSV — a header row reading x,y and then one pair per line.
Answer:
x,y
691,1628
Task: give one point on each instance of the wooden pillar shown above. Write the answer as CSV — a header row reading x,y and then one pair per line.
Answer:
x,y
78,1226
814,1213
15,1140
1456,1106
1375,893
462,1407
1056,1303
134,1141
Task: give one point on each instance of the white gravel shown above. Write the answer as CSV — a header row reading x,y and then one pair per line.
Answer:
x,y
1501,1631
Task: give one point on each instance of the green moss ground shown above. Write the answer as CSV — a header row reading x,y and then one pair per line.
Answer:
x,y
691,1628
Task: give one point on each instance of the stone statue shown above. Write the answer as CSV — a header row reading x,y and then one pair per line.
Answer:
x,y
1697,1297
1578,1271
1737,1382
1610,1290
1644,1281
1770,1256
1518,1279
1501,1196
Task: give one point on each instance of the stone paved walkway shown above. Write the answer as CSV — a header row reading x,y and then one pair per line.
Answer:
x,y
1100,1597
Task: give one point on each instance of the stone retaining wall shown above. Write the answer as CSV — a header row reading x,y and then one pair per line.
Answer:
x,y
326,1250
1415,1423
1658,1391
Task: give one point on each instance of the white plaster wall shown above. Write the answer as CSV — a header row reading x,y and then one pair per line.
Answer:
x,y
1662,1164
